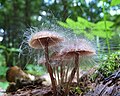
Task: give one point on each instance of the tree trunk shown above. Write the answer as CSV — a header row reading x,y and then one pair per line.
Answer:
x,y
27,13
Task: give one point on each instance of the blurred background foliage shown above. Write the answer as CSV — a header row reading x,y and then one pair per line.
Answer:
x,y
96,20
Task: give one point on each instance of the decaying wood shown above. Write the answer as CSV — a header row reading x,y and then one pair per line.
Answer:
x,y
109,87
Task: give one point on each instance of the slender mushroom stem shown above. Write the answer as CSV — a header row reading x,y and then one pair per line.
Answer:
x,y
54,71
68,69
61,73
78,74
66,75
49,68
72,74
58,77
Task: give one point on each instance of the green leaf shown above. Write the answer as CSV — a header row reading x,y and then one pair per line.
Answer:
x,y
78,32
3,85
35,70
89,29
71,23
89,36
14,49
99,29
102,34
101,25
2,60
115,2
80,26
63,24
80,19
84,22
2,47
3,70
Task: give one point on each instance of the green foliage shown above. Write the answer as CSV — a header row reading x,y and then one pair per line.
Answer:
x,y
3,67
100,25
7,55
88,29
2,60
82,26
4,85
3,70
4,48
115,2
77,90
100,30
35,70
111,64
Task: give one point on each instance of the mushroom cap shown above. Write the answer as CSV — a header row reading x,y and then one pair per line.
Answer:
x,y
39,39
41,60
53,58
80,47
72,54
54,62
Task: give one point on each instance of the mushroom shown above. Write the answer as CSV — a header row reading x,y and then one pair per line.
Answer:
x,y
80,47
55,62
62,64
45,39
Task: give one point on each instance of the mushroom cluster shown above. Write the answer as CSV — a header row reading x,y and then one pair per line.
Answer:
x,y
58,63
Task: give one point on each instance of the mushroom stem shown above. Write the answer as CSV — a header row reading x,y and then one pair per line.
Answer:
x,y
49,69
72,74
58,77
61,73
78,74
54,71
66,75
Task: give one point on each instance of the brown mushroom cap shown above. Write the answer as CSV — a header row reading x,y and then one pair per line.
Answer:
x,y
39,39
54,60
59,57
71,54
80,47
41,60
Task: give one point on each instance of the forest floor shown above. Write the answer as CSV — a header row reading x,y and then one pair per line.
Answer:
x,y
108,87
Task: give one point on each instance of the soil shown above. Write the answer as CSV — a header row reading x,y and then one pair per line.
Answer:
x,y
108,87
